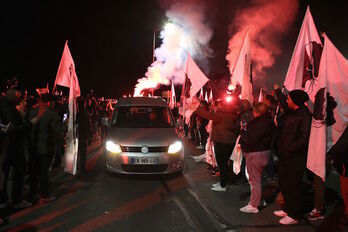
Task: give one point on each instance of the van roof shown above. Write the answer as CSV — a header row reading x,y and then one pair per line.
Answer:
x,y
141,101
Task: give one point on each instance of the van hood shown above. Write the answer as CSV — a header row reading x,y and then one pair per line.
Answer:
x,y
138,137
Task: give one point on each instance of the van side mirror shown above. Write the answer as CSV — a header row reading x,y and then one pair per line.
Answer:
x,y
105,122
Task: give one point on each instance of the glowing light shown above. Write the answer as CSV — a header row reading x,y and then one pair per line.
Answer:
x,y
175,147
231,87
229,98
169,27
112,147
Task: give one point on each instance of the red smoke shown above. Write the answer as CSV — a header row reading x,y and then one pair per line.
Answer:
x,y
267,21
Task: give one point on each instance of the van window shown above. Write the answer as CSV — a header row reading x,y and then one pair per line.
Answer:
x,y
142,117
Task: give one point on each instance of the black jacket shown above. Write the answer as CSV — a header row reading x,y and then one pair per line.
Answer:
x,y
82,120
19,128
294,137
339,153
44,134
258,135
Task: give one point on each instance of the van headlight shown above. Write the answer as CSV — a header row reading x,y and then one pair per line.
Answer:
x,y
175,147
113,147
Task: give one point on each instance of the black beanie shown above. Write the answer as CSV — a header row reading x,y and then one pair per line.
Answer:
x,y
299,97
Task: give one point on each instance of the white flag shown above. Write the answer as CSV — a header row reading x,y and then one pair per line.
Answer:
x,y
201,94
241,71
66,76
211,95
304,58
196,76
172,97
261,95
331,82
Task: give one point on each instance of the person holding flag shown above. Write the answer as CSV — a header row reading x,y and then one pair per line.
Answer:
x,y
224,137
66,76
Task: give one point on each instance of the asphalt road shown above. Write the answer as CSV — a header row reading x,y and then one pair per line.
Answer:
x,y
101,201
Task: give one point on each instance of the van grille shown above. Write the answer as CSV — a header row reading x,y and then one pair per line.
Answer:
x,y
138,149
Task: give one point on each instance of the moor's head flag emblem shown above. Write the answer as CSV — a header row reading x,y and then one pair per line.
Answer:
x,y
311,62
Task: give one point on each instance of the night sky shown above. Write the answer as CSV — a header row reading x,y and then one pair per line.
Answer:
x,y
111,41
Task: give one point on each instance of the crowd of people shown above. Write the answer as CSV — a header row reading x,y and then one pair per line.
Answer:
x,y
277,128
32,141
273,136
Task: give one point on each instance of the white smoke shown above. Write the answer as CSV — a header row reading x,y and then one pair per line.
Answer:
x,y
185,32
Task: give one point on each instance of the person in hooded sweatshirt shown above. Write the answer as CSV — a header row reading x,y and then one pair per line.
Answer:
x,y
223,135
292,149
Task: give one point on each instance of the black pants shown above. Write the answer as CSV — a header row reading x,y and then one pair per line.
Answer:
x,y
203,135
222,154
82,154
17,162
291,171
186,129
58,151
40,164
319,189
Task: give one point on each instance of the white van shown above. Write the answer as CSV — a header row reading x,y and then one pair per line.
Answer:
x,y
142,138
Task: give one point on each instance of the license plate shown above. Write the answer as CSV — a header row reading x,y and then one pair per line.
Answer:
x,y
144,160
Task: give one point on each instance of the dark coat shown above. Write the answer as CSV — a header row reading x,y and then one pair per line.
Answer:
x,y
19,127
245,117
82,120
45,133
258,135
294,137
223,128
339,153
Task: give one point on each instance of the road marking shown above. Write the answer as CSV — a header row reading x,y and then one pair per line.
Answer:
x,y
213,215
186,215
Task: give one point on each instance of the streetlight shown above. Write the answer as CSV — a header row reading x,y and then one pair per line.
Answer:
x,y
168,27
154,44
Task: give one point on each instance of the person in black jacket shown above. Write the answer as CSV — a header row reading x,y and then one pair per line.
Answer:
x,y
339,155
292,149
43,138
15,158
82,119
256,141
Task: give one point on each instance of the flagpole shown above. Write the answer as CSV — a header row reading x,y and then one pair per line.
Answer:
x,y
278,106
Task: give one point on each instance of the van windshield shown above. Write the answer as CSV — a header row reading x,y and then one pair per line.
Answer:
x,y
142,117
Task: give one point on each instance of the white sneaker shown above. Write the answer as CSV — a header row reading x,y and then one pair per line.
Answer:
x,y
199,158
280,213
216,184
249,209
288,221
218,188
22,205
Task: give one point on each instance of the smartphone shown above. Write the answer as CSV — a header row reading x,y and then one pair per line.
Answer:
x,y
65,117
243,125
